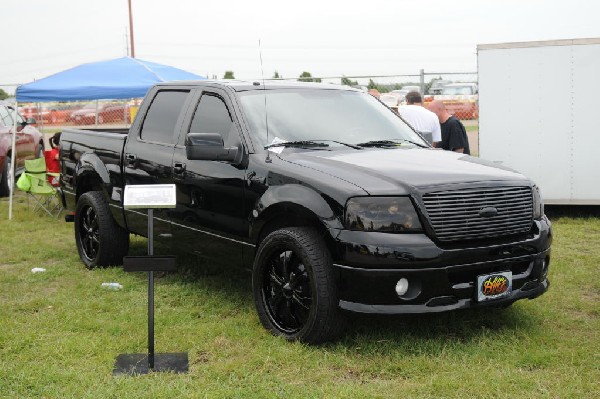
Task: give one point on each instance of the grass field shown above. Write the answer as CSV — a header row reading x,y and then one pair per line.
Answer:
x,y
60,332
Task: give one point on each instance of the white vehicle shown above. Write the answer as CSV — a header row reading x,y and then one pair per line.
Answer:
x,y
538,114
389,100
437,86
412,88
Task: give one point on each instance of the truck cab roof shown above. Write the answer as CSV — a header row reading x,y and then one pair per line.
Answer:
x,y
246,85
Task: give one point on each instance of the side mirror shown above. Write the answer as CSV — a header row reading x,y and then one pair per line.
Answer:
x,y
209,147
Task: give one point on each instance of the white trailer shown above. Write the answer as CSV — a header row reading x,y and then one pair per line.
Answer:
x,y
539,113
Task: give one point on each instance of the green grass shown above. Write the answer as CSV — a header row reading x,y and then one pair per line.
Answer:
x,y
60,332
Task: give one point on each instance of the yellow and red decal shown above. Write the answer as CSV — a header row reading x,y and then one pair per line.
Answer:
x,y
494,285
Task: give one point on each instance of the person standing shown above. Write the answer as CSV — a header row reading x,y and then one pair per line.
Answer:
x,y
419,117
454,135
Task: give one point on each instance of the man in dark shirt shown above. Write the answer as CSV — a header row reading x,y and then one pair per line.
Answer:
x,y
454,135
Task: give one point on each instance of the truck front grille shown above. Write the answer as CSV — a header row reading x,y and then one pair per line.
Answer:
x,y
455,214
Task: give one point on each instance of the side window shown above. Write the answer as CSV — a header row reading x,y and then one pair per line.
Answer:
x,y
5,117
212,116
159,124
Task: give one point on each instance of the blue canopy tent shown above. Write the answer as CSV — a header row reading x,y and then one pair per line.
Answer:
x,y
120,78
113,79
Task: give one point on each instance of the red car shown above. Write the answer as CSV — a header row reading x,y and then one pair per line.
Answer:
x,y
29,144
51,114
107,112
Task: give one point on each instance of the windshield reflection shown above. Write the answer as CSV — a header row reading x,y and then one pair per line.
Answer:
x,y
310,115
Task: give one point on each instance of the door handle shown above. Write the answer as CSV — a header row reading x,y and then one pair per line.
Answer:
x,y
130,158
179,168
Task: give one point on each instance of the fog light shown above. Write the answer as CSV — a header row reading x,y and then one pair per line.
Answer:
x,y
402,286
545,263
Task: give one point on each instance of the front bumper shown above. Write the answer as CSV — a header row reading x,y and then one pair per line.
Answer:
x,y
441,278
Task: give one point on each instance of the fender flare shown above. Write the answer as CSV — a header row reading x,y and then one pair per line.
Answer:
x,y
89,164
296,199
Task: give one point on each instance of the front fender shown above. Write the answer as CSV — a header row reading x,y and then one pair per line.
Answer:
x,y
294,201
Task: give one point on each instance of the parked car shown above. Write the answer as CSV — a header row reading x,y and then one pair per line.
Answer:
x,y
412,88
50,114
107,112
86,115
437,86
461,100
115,113
389,100
29,144
400,94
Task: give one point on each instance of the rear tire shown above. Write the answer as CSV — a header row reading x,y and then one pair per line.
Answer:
x,y
100,240
294,287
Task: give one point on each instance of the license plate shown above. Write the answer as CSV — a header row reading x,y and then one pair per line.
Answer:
x,y
493,286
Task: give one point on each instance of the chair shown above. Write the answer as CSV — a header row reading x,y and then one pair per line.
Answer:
x,y
34,181
52,167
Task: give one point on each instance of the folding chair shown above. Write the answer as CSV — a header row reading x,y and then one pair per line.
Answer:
x,y
34,181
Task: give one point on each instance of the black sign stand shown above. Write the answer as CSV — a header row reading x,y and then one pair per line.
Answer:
x,y
140,363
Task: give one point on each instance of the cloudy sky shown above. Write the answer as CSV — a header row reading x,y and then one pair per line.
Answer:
x,y
326,38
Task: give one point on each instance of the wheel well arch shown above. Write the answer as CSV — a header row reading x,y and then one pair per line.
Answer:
x,y
88,181
288,214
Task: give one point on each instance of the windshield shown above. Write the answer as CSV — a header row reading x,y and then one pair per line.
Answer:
x,y
337,115
452,90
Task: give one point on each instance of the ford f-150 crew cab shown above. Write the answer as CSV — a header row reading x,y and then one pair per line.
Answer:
x,y
334,202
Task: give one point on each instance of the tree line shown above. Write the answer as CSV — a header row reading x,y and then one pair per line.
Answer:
x,y
380,87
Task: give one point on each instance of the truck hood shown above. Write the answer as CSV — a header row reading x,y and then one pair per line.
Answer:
x,y
386,170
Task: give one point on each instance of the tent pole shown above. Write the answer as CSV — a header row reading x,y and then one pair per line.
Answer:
x,y
12,161
39,112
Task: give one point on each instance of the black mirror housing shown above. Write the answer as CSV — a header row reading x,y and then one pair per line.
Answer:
x,y
209,147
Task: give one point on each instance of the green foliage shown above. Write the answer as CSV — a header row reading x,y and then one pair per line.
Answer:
x,y
3,95
277,76
228,75
307,77
348,82
60,332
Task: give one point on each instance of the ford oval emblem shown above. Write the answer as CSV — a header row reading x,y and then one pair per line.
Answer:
x,y
488,212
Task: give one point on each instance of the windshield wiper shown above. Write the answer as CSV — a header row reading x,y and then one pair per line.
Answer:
x,y
389,143
414,142
355,146
300,143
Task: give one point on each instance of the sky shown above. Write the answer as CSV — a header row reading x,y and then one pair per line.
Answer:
x,y
325,38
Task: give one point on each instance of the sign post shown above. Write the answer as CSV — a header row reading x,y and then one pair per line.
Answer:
x,y
150,197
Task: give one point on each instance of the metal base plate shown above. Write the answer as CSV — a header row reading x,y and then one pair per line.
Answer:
x,y
137,363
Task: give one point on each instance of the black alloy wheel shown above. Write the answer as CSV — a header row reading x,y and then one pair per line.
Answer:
x,y
89,232
286,291
294,287
100,240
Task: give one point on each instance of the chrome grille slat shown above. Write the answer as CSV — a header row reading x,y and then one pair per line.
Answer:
x,y
454,214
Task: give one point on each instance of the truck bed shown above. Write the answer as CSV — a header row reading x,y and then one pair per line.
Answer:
x,y
98,150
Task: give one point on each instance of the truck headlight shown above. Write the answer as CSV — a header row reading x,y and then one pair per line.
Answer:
x,y
383,214
538,203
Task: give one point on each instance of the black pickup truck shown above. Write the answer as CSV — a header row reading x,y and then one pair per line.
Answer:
x,y
335,203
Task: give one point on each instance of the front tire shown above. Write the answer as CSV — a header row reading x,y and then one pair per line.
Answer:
x,y
100,240
294,287
5,182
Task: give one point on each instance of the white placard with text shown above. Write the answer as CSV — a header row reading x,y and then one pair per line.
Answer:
x,y
150,196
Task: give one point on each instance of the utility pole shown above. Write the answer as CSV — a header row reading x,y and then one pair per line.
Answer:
x,y
131,30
